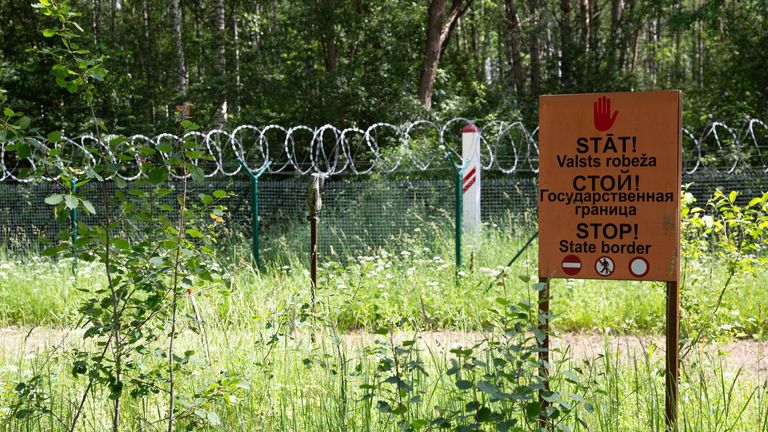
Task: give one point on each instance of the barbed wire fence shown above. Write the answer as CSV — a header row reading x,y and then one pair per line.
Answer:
x,y
387,182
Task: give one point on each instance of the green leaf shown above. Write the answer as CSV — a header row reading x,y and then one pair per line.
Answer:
x,y
165,148
8,112
54,199
54,137
198,176
89,207
121,243
532,410
23,122
194,232
158,175
219,194
206,199
487,387
463,384
49,32
70,201
213,418
382,331
189,125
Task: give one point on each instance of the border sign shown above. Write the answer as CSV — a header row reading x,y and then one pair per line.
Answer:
x,y
609,184
609,202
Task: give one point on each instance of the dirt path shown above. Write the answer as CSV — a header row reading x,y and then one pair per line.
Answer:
x,y
751,356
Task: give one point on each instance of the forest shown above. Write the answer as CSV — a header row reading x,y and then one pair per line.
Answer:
x,y
357,62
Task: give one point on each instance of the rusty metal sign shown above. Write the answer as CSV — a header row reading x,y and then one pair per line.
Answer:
x,y
609,186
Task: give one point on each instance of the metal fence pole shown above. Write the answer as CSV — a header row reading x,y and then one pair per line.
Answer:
x,y
459,169
255,250
459,222
254,175
73,227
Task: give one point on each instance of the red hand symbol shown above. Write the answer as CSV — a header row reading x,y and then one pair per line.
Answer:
x,y
603,118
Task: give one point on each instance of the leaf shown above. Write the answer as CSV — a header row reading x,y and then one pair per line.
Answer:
x,y
206,199
54,199
487,387
532,410
49,32
189,125
8,112
219,194
24,122
198,176
382,331
70,201
732,196
213,418
194,232
158,175
165,148
89,207
463,384
121,243
54,137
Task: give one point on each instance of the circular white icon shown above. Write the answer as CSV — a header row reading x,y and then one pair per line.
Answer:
x,y
604,266
638,267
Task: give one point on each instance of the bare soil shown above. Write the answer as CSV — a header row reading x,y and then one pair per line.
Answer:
x,y
750,356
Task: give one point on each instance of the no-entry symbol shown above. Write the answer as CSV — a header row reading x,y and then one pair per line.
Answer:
x,y
638,266
571,265
604,266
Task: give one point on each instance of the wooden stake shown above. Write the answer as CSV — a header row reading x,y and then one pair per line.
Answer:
x,y
673,355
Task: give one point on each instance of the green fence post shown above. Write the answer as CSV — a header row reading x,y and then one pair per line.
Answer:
x,y
255,218
73,221
459,213
255,246
459,169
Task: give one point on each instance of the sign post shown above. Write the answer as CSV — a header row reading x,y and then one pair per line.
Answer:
x,y
609,196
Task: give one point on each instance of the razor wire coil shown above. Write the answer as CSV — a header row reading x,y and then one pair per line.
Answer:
x,y
506,147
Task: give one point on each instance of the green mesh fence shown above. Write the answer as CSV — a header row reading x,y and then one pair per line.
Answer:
x,y
359,214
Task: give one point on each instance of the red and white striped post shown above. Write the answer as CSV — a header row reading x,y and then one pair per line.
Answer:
x,y
470,152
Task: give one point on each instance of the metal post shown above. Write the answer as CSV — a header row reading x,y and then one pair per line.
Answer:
x,y
459,223
673,356
255,218
459,169
543,321
255,246
313,259
73,220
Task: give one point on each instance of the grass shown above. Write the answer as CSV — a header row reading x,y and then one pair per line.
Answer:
x,y
415,286
304,375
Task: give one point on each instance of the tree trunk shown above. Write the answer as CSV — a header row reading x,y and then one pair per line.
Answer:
x,y
514,58
628,25
149,71
566,46
236,44
327,19
593,60
535,48
181,62
219,63
439,27
613,38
